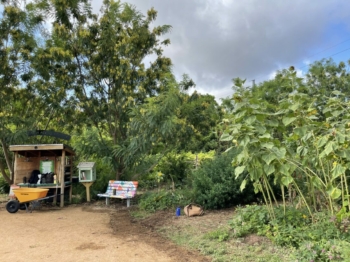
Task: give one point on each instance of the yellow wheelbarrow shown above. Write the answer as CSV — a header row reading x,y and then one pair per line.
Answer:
x,y
25,196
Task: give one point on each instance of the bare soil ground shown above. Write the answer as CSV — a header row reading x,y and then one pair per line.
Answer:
x,y
89,232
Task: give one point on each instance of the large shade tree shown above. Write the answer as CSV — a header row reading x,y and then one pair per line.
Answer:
x,y
18,101
104,65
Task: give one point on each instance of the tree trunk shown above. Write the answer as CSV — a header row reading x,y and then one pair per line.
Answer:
x,y
8,160
5,176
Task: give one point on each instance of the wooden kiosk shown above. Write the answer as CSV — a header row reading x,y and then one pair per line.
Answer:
x,y
56,158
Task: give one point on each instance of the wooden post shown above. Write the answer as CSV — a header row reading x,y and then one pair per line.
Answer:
x,y
87,187
71,178
14,175
61,176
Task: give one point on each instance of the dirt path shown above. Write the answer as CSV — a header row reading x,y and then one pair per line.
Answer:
x,y
83,233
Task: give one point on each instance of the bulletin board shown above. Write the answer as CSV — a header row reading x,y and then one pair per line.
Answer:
x,y
46,166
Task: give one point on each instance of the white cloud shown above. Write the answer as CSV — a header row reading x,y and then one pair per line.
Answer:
x,y
216,40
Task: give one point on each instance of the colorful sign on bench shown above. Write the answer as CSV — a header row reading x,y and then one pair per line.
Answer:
x,y
120,189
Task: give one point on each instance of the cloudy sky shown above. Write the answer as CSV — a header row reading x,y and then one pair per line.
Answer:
x,y
214,41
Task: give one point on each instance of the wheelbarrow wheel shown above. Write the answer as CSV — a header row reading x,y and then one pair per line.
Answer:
x,y
23,206
12,206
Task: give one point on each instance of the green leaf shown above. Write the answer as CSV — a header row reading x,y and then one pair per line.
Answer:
x,y
268,145
279,152
244,182
328,149
250,120
268,158
260,129
226,137
287,180
337,171
266,135
345,154
228,149
288,120
321,142
269,169
255,173
284,169
300,149
336,113
300,131
240,114
312,117
245,141
307,136
340,138
241,156
294,107
334,192
239,170
272,123
337,93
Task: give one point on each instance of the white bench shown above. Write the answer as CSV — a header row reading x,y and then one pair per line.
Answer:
x,y
120,189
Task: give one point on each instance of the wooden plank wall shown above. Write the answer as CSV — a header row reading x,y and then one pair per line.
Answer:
x,y
24,168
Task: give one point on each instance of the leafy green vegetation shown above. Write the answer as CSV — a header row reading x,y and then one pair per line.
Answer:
x,y
284,142
4,186
153,201
214,184
324,239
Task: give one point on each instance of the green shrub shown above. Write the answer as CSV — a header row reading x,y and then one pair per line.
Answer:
x,y
174,167
293,228
214,184
324,250
4,186
153,201
250,219
219,235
